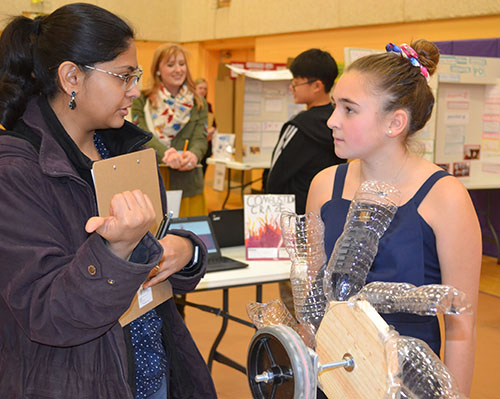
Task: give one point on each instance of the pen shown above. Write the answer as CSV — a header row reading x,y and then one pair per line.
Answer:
x,y
186,143
164,225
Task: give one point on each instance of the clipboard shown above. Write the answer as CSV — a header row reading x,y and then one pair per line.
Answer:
x,y
137,170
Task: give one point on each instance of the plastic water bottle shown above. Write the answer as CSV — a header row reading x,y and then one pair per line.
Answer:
x,y
303,239
371,211
426,300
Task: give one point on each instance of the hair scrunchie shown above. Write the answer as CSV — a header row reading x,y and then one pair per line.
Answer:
x,y
410,54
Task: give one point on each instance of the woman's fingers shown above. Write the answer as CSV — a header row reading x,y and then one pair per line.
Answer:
x,y
131,216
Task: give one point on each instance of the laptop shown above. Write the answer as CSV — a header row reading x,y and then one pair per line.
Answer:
x,y
202,227
228,227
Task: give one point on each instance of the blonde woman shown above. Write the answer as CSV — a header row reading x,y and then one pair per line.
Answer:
x,y
170,109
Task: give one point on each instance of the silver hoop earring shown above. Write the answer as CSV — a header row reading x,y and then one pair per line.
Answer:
x,y
72,102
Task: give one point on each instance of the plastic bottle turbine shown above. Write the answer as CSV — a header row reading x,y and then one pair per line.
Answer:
x,y
303,238
371,211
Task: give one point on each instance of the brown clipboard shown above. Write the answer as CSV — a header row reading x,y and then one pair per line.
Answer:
x,y
137,170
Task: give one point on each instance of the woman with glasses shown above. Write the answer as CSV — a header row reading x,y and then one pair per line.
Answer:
x,y
170,109
66,83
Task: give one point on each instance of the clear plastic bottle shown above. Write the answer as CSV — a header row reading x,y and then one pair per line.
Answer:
x,y
422,374
275,313
303,239
426,300
371,211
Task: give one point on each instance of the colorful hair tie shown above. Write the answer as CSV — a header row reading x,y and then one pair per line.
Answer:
x,y
410,54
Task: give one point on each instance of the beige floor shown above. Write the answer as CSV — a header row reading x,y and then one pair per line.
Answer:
x,y
231,384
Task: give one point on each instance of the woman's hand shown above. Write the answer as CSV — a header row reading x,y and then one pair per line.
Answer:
x,y
177,252
210,133
188,162
180,161
131,217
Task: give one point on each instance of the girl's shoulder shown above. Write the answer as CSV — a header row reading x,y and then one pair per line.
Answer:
x,y
320,190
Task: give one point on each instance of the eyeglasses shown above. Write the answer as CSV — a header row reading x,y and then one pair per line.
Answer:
x,y
307,82
129,79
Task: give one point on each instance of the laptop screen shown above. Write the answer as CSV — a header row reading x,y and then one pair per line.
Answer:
x,y
199,227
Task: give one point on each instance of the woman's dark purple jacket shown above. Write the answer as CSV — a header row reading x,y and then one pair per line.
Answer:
x,y
59,335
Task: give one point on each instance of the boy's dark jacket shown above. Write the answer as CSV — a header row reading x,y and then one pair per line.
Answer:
x,y
59,335
310,151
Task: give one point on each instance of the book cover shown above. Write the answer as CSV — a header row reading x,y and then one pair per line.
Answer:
x,y
262,214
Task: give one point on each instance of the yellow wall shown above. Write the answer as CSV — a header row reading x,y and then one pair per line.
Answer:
x,y
205,55
277,48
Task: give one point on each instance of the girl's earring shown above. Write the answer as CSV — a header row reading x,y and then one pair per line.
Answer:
x,y
389,132
72,102
158,73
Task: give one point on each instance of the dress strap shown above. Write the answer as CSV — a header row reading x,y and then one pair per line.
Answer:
x,y
428,184
338,183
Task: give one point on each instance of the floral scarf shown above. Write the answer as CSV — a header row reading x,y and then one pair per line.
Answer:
x,y
170,114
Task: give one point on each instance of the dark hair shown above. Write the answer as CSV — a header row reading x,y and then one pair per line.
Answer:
x,y
403,84
315,64
32,50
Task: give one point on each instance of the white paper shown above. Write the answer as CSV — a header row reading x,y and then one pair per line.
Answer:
x,y
253,86
251,126
219,177
271,126
457,118
455,134
269,139
252,138
252,108
282,74
491,168
491,126
273,105
144,296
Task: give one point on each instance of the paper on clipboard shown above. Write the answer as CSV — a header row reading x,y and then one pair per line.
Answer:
x,y
137,170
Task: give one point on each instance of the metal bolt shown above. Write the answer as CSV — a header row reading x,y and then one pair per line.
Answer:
x,y
347,362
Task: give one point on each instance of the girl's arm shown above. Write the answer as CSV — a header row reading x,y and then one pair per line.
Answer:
x,y
451,214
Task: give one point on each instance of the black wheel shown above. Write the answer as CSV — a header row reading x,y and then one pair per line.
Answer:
x,y
279,365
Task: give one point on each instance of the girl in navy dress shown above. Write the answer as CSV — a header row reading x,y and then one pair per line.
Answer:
x,y
381,101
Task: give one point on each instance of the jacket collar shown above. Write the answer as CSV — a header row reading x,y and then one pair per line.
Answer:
x,y
59,155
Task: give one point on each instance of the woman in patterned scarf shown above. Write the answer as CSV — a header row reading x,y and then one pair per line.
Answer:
x,y
170,109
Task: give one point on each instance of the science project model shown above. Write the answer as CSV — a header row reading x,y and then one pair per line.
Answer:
x,y
339,341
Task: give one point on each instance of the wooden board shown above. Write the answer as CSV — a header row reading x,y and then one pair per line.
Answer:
x,y
358,330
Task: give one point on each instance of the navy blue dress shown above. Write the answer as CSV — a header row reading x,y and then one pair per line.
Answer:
x,y
406,253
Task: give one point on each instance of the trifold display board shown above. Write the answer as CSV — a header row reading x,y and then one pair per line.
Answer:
x,y
463,134
468,119
262,102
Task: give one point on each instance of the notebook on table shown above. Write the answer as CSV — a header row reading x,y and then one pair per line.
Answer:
x,y
202,227
228,226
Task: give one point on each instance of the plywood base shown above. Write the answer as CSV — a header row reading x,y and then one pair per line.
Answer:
x,y
359,331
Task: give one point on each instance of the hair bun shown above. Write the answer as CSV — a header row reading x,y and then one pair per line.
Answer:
x,y
428,54
37,25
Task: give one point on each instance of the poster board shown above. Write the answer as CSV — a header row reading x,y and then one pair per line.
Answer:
x,y
264,103
255,104
468,119
262,213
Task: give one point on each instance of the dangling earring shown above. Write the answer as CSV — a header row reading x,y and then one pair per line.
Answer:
x,y
72,102
389,132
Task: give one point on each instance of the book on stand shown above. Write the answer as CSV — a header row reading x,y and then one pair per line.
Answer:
x,y
262,214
